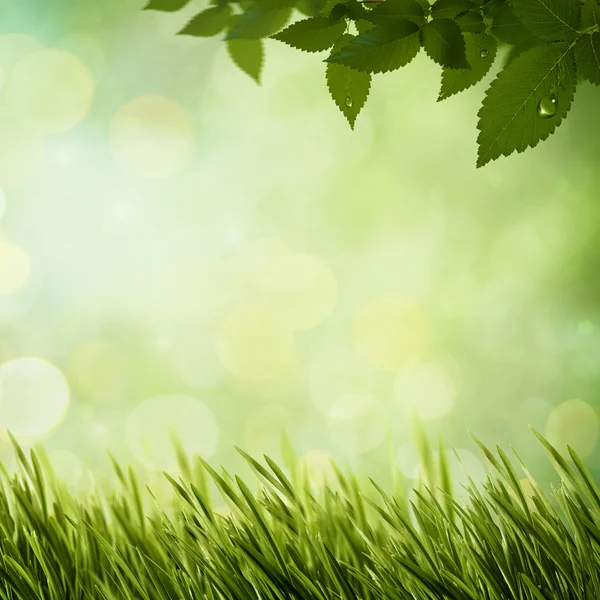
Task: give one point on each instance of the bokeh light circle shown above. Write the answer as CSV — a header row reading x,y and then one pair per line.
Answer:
x,y
151,137
21,150
358,423
426,389
262,431
15,268
252,345
573,422
34,396
317,466
149,425
390,332
51,89
300,290
71,470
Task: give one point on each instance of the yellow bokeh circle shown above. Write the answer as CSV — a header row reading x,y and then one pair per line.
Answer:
x,y
300,290
573,422
151,137
317,468
253,345
262,431
15,267
21,150
390,332
426,389
153,421
34,396
51,89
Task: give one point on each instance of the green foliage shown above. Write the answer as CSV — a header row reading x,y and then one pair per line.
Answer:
x,y
292,539
554,44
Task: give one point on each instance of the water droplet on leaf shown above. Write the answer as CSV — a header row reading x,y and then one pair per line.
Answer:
x,y
349,102
484,53
547,106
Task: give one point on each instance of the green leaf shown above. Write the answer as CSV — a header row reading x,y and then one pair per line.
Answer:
x,y
330,5
481,52
508,118
471,22
310,8
362,25
507,27
166,5
248,55
587,57
259,22
410,10
444,43
448,9
314,34
381,49
550,20
590,14
209,22
348,88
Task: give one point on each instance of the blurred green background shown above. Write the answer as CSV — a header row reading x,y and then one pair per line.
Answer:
x,y
181,247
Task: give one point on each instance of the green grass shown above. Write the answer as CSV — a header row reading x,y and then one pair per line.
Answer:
x,y
291,540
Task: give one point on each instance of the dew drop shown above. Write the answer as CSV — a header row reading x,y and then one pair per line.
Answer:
x,y
349,102
547,106
484,53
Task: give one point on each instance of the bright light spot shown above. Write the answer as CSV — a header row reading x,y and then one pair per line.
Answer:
x,y
197,363
98,370
573,422
51,89
21,150
425,388
318,468
351,405
14,268
148,426
87,48
15,46
152,137
336,375
359,424
407,460
71,470
262,431
251,262
34,396
252,345
390,332
300,290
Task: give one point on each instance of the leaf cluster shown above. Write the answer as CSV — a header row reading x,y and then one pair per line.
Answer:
x,y
291,539
554,45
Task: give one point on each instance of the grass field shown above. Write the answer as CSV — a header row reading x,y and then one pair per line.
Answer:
x,y
289,539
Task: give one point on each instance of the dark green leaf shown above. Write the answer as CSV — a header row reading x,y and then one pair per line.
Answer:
x,y
248,55
481,52
259,22
348,88
410,10
314,34
549,20
381,49
507,27
444,43
587,57
590,14
509,118
166,5
448,9
471,22
209,22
